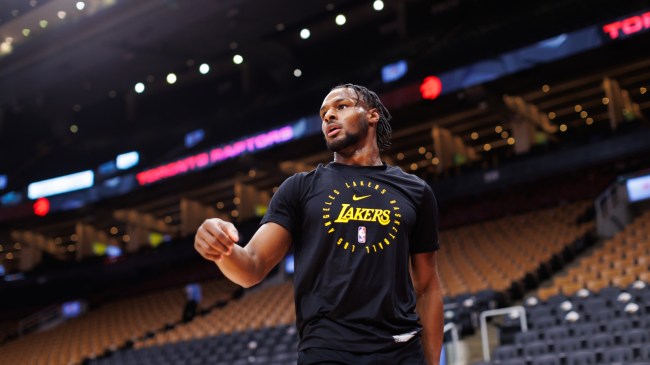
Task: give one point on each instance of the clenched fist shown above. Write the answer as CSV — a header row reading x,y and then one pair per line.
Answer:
x,y
215,239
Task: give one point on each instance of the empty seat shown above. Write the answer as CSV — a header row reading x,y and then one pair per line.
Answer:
x,y
618,355
526,337
602,315
599,341
556,333
592,305
644,352
506,352
585,329
581,358
548,359
637,336
618,325
544,322
517,361
567,345
534,349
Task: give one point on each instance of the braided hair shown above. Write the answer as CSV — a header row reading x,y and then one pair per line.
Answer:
x,y
371,100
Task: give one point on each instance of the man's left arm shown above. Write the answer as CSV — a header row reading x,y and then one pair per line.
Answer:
x,y
424,273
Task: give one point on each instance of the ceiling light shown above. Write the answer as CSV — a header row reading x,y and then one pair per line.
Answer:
x,y
605,101
74,128
139,88
305,33
498,129
474,135
204,68
279,27
487,147
297,72
340,19
81,5
577,108
43,24
546,88
378,5
26,32
61,14
171,78
643,90
238,59
511,141
563,127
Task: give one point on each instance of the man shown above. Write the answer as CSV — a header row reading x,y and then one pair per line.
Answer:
x,y
364,236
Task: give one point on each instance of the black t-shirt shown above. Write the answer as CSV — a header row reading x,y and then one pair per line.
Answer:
x,y
353,230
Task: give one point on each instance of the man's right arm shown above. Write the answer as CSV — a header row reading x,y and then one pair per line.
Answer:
x,y
216,240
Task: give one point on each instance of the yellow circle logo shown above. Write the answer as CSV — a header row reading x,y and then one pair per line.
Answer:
x,y
365,205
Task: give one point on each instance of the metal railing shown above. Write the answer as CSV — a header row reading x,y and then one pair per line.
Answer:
x,y
500,312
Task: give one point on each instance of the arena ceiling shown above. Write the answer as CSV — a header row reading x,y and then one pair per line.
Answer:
x,y
82,72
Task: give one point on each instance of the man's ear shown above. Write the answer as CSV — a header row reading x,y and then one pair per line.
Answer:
x,y
373,116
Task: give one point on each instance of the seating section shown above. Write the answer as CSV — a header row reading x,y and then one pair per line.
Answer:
x,y
498,253
622,260
107,327
611,326
265,307
268,346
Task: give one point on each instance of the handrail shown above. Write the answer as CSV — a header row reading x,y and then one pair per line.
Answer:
x,y
499,312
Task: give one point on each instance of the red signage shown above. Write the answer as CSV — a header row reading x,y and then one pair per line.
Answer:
x,y
431,87
631,25
215,155
41,207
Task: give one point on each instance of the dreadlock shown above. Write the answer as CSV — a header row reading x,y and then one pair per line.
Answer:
x,y
371,100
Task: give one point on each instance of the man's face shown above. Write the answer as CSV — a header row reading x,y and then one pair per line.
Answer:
x,y
344,119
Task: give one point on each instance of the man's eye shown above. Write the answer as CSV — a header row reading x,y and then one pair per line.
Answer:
x,y
342,106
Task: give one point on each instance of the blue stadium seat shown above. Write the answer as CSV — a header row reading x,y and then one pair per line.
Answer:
x,y
526,337
618,325
618,355
581,358
535,349
600,341
506,352
544,322
567,345
556,333
585,329
548,359
637,336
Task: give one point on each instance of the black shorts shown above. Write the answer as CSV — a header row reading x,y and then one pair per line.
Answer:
x,y
410,353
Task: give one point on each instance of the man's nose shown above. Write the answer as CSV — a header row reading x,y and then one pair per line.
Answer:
x,y
330,114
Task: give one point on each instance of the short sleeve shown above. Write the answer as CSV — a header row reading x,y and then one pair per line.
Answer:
x,y
424,237
284,209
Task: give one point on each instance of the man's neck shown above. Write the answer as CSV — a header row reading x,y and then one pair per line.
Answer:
x,y
363,157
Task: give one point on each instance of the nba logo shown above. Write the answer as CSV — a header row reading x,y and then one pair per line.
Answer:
x,y
361,234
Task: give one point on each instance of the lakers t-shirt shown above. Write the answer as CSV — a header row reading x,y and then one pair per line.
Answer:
x,y
353,230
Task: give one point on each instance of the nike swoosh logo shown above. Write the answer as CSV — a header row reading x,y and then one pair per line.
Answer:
x,y
355,197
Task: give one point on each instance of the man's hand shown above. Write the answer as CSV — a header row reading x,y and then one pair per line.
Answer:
x,y
215,239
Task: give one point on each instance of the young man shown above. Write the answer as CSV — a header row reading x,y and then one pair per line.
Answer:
x,y
364,236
